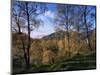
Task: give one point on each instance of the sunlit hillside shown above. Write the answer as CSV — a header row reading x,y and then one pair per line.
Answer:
x,y
53,52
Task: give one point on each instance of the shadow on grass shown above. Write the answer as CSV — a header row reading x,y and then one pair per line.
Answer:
x,y
78,62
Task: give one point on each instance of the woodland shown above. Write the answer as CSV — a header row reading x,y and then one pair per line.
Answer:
x,y
72,45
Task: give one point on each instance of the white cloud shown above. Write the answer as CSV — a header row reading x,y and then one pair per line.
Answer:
x,y
49,14
47,27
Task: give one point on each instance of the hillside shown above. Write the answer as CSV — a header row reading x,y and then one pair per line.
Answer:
x,y
60,34
78,62
51,53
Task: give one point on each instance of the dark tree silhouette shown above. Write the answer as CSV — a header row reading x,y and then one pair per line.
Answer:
x,y
88,25
28,12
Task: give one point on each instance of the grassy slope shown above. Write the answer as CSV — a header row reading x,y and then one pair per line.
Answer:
x,y
78,62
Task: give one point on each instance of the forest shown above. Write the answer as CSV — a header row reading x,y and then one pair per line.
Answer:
x,y
49,37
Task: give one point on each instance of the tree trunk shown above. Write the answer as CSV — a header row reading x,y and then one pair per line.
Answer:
x,y
28,46
19,29
87,30
78,38
67,27
68,42
25,54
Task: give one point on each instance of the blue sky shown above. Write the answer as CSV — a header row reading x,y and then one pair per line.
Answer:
x,y
48,22
48,18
